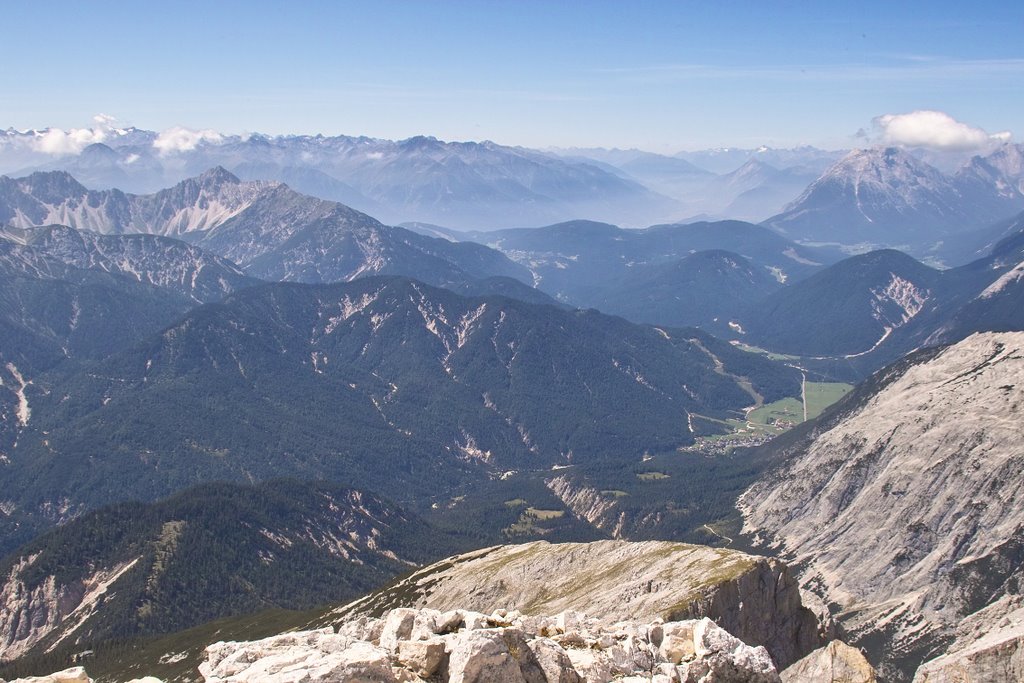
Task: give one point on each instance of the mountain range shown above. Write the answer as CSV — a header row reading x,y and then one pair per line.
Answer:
x,y
467,184
888,197
268,229
387,384
732,278
881,197
868,310
679,274
426,390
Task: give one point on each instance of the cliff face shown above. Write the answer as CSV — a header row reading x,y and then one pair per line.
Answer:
x,y
754,598
905,512
50,608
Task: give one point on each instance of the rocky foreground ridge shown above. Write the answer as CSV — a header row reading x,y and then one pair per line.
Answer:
x,y
755,598
673,611
904,510
461,646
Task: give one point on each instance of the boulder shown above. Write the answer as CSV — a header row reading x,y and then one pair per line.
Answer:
x,y
837,662
999,656
677,644
554,661
418,645
291,657
422,657
755,598
482,656
73,675
398,626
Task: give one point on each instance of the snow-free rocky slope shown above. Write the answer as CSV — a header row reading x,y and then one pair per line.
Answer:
x,y
515,591
755,598
56,252
268,229
902,505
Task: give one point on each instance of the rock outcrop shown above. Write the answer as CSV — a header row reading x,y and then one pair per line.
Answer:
x,y
30,613
75,674
837,662
755,598
902,508
998,657
461,646
989,646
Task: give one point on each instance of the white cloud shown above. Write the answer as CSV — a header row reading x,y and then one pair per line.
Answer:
x,y
72,141
180,139
934,130
105,121
57,141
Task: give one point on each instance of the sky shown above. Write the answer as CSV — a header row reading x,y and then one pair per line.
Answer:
x,y
661,76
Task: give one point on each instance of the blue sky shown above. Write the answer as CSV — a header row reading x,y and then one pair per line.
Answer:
x,y
662,76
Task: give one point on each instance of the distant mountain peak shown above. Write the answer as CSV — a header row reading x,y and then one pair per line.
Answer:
x,y
882,163
47,185
218,175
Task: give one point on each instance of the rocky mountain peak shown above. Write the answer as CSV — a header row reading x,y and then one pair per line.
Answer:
x,y
216,176
52,186
883,168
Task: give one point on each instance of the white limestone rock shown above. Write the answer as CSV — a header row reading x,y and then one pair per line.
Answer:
x,y
397,627
998,656
422,657
756,598
837,662
903,511
480,656
292,657
73,675
417,645
554,661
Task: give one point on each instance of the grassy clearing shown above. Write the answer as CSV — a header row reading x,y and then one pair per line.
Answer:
x,y
527,524
515,503
651,476
784,413
757,349
821,395
544,514
614,493
772,419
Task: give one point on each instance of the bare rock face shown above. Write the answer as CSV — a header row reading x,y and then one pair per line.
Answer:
x,y
837,662
754,598
28,615
990,659
982,652
903,510
461,646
